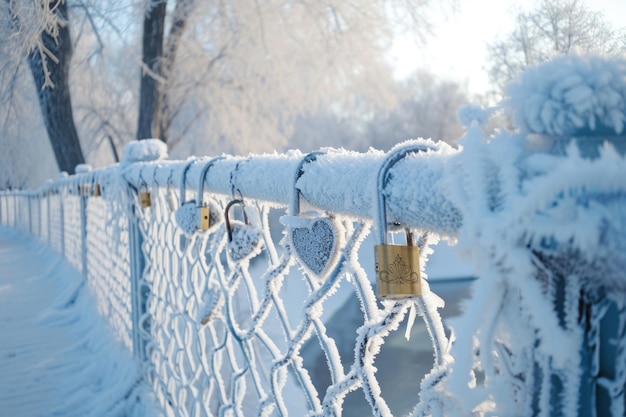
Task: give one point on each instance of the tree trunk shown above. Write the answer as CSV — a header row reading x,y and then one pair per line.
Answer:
x,y
179,21
152,52
54,92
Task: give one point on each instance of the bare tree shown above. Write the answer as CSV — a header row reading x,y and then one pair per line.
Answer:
x,y
427,107
152,54
552,28
49,58
215,76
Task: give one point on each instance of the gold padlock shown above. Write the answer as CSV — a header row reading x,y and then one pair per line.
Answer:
x,y
398,270
144,197
397,266
96,190
204,208
205,215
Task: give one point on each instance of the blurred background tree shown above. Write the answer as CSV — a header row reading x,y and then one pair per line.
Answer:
x,y
552,27
204,76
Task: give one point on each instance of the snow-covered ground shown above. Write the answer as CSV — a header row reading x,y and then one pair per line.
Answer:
x,y
57,355
59,358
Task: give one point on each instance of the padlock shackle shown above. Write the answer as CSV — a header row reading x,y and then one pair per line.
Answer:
x,y
294,209
183,179
201,180
227,220
394,156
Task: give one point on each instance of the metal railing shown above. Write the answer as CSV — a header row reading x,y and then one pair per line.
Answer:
x,y
225,323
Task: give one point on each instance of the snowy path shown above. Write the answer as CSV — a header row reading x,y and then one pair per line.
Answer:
x,y
57,356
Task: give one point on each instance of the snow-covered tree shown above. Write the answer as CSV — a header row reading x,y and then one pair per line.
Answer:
x,y
552,27
43,31
427,107
215,76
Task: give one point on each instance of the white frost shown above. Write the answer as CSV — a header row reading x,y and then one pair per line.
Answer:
x,y
144,151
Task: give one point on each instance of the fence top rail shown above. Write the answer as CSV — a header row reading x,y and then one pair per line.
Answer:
x,y
337,180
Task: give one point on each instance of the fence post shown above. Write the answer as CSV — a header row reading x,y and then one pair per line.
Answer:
x,y
39,215
30,214
48,218
15,211
137,264
62,221
137,152
83,232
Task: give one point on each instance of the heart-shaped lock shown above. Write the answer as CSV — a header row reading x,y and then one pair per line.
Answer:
x,y
312,239
187,217
244,240
196,214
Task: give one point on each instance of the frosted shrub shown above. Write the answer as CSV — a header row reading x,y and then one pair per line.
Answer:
x,y
545,332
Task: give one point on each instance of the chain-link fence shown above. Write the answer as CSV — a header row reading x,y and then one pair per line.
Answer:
x,y
226,276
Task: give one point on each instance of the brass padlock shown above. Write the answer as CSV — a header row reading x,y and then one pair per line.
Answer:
x,y
397,266
398,270
205,215
144,197
204,209
96,190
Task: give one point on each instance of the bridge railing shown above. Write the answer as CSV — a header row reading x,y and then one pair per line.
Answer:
x,y
242,319
221,325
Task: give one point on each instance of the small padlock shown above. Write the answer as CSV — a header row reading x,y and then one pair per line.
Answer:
x,y
196,214
313,238
244,240
96,190
397,266
398,269
205,216
144,197
84,189
205,222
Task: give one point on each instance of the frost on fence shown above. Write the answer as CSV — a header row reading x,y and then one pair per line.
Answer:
x,y
72,229
108,255
225,332
226,329
543,212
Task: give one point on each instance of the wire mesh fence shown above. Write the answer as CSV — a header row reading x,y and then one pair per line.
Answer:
x,y
226,276
219,317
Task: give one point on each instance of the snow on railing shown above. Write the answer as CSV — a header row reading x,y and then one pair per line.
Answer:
x,y
225,320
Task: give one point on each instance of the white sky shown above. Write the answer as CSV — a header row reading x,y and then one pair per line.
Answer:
x,y
457,49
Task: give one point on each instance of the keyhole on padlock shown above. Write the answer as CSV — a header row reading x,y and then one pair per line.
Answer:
x,y
205,218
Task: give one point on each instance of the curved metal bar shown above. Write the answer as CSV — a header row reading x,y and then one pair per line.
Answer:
x,y
294,209
395,156
227,220
183,179
205,169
